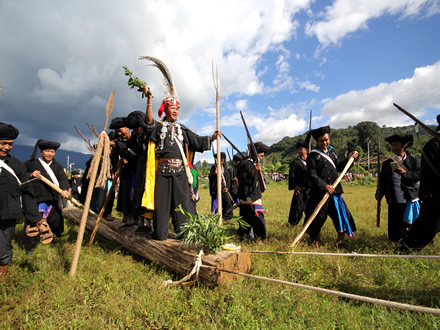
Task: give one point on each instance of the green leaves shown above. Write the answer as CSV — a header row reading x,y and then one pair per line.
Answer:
x,y
134,81
205,230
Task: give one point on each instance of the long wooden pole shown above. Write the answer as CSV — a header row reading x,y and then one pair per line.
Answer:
x,y
321,203
219,164
94,171
378,184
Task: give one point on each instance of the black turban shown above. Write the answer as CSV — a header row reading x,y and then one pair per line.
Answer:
x,y
260,147
237,158
438,122
8,132
44,145
135,119
117,122
111,135
222,155
75,172
301,144
402,138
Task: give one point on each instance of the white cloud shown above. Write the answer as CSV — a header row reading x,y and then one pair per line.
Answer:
x,y
346,16
241,104
415,94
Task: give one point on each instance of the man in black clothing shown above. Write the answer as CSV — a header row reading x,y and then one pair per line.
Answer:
x,y
427,225
226,187
173,179
249,193
299,183
15,201
322,170
75,184
400,185
49,201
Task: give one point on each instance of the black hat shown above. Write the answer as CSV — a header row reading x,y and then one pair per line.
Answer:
x,y
222,155
438,122
8,132
44,145
117,122
75,172
301,144
237,157
318,132
135,119
260,147
402,138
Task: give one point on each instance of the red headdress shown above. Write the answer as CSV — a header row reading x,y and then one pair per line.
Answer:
x,y
170,100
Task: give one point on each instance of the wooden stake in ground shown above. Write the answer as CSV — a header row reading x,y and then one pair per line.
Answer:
x,y
93,170
218,95
101,213
321,203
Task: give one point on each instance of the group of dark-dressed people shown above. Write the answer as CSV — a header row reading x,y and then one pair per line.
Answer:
x,y
410,186
153,160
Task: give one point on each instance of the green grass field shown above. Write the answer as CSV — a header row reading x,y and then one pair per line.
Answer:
x,y
114,289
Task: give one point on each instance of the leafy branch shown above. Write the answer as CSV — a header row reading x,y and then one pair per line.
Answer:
x,y
134,81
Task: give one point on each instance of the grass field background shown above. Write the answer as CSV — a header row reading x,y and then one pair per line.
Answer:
x,y
114,289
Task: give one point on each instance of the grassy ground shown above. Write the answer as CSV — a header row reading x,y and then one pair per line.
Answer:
x,y
114,289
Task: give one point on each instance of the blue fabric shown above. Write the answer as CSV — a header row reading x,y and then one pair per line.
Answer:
x,y
214,206
45,209
344,225
412,211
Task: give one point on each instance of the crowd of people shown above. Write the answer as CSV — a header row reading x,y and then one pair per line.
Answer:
x,y
152,160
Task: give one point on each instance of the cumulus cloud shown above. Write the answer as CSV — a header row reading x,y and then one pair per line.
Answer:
x,y
346,16
415,94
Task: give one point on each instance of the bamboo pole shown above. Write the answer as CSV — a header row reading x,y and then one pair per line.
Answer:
x,y
321,203
94,171
219,165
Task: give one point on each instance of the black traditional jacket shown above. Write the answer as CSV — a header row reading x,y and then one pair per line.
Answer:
x,y
409,181
430,171
247,184
298,174
213,180
321,172
10,192
44,193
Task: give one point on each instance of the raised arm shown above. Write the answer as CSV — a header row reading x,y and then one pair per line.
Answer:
x,y
149,110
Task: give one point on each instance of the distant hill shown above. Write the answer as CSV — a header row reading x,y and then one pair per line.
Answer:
x,y
78,158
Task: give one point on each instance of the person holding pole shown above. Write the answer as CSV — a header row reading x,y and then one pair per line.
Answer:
x,y
399,183
428,223
49,201
226,182
323,166
16,200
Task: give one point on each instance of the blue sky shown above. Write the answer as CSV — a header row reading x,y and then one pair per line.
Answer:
x,y
346,60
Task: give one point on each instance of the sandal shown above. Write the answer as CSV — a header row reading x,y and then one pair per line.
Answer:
x,y
46,235
32,230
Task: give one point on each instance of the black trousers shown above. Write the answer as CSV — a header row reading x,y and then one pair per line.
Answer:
x,y
226,205
328,209
425,227
7,231
396,226
171,191
256,222
297,207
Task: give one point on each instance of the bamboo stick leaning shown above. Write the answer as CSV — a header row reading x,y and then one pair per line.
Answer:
x,y
321,203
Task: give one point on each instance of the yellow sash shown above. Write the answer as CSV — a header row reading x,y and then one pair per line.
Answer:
x,y
150,180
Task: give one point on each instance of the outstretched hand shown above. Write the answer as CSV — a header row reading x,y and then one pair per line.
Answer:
x,y
216,134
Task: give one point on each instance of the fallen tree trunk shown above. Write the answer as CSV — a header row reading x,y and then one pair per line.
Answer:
x,y
171,253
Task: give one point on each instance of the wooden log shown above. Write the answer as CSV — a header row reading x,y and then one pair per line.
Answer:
x,y
171,253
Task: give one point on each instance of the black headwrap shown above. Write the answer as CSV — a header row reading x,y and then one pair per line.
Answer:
x,y
301,144
75,172
222,155
261,147
438,122
237,157
111,135
135,119
317,133
117,122
44,145
8,132
402,138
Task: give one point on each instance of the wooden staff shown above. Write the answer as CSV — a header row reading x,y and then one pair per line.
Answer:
x,y
321,203
101,213
218,95
93,170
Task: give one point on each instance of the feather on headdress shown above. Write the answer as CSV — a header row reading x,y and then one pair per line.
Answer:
x,y
170,90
